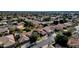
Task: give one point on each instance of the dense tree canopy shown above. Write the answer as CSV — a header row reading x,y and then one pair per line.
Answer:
x,y
61,40
34,36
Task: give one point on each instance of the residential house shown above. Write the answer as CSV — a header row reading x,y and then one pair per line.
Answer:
x,y
4,29
23,38
47,29
20,26
73,43
41,31
28,34
59,26
7,40
68,24
53,18
77,28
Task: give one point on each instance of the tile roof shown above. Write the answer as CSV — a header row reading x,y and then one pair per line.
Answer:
x,y
3,29
23,38
73,42
6,41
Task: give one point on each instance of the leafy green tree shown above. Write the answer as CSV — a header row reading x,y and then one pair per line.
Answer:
x,y
34,36
55,22
45,25
28,23
67,33
0,18
27,29
16,36
61,40
63,21
1,34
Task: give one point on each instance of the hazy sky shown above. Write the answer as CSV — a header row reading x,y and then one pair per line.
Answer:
x,y
39,5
